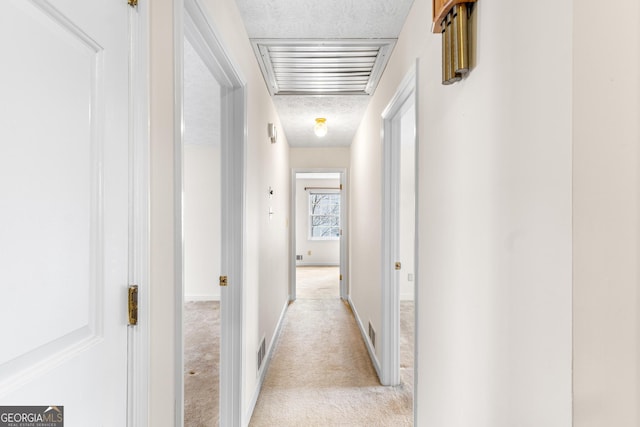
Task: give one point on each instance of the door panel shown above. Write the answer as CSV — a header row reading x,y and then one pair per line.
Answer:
x,y
64,207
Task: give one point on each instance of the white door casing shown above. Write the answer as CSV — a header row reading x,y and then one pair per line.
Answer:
x,y
64,207
198,28
404,102
344,237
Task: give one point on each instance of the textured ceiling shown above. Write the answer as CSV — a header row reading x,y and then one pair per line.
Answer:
x,y
298,114
327,19
331,19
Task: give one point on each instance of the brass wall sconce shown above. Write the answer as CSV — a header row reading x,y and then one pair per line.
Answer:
x,y
451,19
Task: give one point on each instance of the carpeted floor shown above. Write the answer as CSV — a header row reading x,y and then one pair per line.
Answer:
x,y
320,375
201,363
317,282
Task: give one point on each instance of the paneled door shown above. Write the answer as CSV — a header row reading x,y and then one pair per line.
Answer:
x,y
64,207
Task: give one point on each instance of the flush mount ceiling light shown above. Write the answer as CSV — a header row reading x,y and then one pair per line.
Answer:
x,y
320,128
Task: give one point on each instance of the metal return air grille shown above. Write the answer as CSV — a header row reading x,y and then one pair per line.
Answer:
x,y
322,67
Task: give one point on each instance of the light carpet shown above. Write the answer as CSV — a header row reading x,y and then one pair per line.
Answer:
x,y
201,363
321,374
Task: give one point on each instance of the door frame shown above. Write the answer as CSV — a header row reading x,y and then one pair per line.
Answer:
x,y
138,349
192,21
344,225
390,296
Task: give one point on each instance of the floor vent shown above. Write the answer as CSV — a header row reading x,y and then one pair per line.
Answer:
x,y
372,335
261,353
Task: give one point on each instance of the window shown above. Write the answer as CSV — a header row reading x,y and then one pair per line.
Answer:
x,y
324,216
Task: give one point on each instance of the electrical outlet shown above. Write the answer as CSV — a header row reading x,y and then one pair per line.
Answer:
x,y
309,253
410,277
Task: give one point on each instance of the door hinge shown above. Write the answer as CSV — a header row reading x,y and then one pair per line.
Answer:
x,y
223,281
133,3
398,265
341,277
133,305
340,186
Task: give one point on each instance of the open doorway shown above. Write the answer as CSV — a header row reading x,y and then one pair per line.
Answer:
x,y
201,239
399,243
210,146
319,234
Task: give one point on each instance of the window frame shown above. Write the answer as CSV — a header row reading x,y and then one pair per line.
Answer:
x,y
310,215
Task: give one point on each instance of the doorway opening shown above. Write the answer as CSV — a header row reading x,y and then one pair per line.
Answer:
x,y
201,238
211,103
319,238
399,243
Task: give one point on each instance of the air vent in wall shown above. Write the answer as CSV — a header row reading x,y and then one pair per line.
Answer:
x,y
322,67
372,335
261,353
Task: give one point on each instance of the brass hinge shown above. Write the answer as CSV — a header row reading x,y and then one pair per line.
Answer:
x,y
341,277
398,265
133,3
133,305
223,281
341,186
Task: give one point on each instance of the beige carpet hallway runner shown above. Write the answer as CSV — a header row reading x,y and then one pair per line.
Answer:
x,y
321,374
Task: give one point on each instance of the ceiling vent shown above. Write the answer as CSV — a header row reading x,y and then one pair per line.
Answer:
x,y
322,67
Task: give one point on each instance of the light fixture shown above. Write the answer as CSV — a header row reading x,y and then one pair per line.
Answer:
x,y
451,19
320,129
272,132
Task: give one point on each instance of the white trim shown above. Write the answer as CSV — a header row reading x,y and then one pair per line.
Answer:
x,y
344,223
316,264
267,361
344,242
365,337
178,153
390,298
193,298
138,337
205,38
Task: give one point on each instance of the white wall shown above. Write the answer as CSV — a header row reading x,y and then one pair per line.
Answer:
x,y
201,222
267,237
326,157
163,244
606,205
202,176
496,210
495,218
314,252
267,269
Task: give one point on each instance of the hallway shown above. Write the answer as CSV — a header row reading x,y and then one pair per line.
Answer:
x,y
321,374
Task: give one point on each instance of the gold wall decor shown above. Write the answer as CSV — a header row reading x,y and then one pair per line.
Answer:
x,y
451,19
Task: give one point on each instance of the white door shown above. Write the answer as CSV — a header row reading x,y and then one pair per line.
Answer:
x,y
64,165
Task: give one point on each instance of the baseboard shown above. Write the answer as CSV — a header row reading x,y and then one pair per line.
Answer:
x,y
365,337
317,264
202,297
267,361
